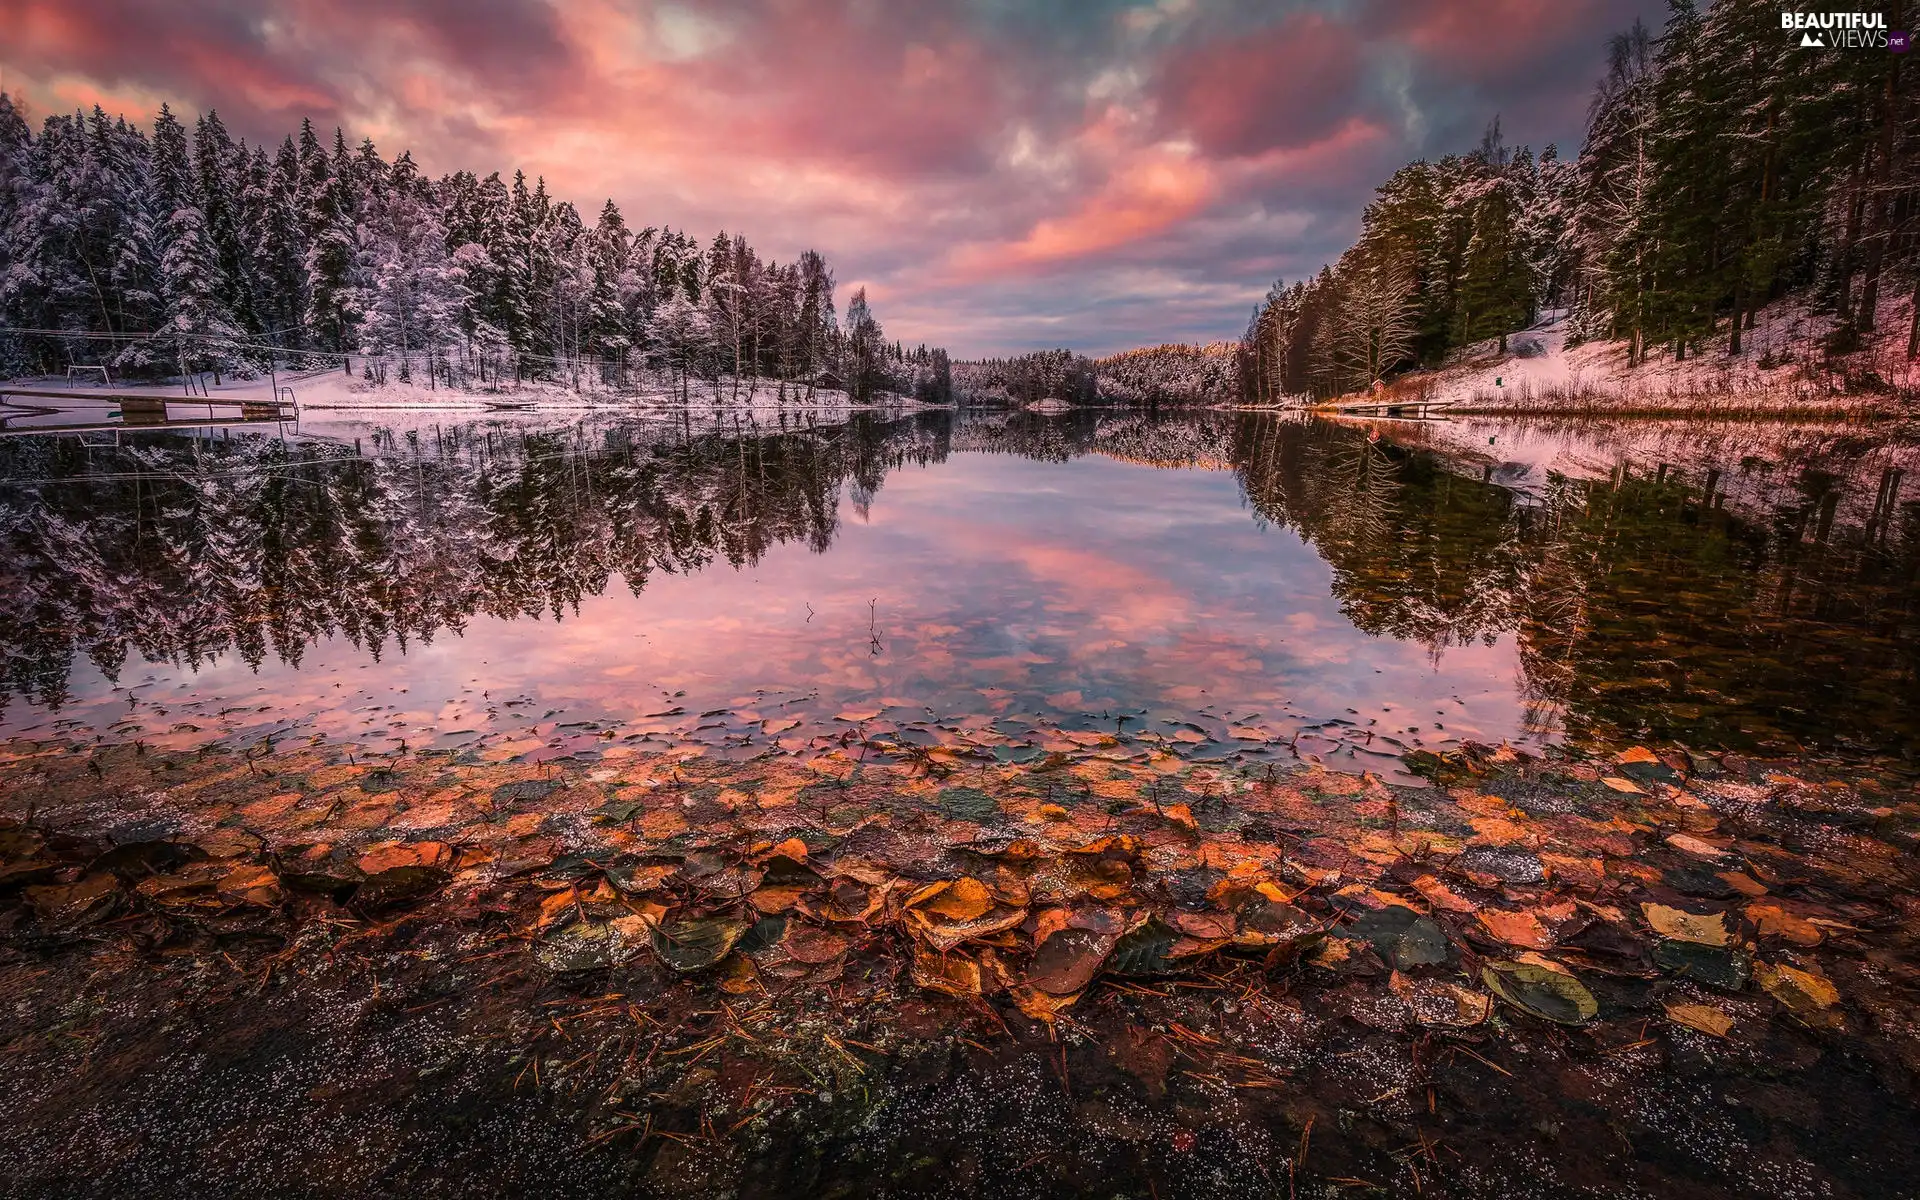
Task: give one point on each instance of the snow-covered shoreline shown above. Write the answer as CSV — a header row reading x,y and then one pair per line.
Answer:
x,y
1785,370
333,390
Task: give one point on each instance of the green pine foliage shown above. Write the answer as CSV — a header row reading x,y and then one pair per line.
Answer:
x,y
1724,168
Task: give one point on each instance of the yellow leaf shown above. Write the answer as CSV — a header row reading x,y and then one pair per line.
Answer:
x,y
1687,843
1801,991
963,900
1705,929
1772,920
1703,1017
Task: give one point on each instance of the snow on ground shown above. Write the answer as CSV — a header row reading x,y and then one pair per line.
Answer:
x,y
331,397
1528,454
1783,366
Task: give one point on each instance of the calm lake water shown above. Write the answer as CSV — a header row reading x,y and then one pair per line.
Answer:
x,y
1232,585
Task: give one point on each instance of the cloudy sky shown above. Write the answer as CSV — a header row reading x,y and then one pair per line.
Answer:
x,y
1000,174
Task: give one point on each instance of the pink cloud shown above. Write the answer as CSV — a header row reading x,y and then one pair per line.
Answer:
x,y
979,166
1283,86
1150,191
1480,36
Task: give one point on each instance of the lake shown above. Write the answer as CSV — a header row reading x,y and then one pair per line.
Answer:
x,y
1222,586
959,802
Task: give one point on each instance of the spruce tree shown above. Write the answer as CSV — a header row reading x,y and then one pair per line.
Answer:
x,y
200,330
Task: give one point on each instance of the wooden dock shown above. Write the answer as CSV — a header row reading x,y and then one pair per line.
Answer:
x,y
138,410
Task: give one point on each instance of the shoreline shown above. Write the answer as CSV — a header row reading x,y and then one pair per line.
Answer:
x,y
687,974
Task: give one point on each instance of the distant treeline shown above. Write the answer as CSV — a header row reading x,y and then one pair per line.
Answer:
x,y
185,249
1170,374
1725,167
1174,373
1029,378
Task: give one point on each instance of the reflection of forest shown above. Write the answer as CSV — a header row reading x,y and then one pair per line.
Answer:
x,y
1638,602
184,549
1642,606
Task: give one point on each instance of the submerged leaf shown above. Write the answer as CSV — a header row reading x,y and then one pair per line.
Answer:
x,y
968,804
954,974
1067,961
965,899
1515,928
1403,937
1716,966
590,945
694,945
1144,949
1544,992
70,905
1773,920
945,935
1704,1017
1687,843
1438,1003
1802,992
812,945
1041,1005
1705,929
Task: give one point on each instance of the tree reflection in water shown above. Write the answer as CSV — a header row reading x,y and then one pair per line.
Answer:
x,y
1646,603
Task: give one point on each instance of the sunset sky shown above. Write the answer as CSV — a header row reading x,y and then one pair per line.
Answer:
x,y
1000,175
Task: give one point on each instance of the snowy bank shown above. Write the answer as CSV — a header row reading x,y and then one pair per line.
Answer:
x,y
1785,369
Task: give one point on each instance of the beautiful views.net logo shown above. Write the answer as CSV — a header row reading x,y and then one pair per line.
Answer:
x,y
1852,31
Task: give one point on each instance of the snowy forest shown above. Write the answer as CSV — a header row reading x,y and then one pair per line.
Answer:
x,y
1171,374
1175,373
185,250
1724,167
1028,378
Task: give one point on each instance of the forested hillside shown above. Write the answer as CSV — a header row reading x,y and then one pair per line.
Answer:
x,y
186,249
1171,374
1028,379
1725,167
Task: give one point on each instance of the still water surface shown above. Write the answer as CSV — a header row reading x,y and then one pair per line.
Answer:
x,y
1232,586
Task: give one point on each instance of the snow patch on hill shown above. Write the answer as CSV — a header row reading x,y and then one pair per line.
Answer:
x,y
1784,365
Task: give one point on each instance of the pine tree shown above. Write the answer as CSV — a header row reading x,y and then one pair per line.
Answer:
x,y
198,325
1613,227
220,175
19,205
327,218
679,333
608,259
415,297
1376,323
1691,265
865,342
202,250
1495,292
278,251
